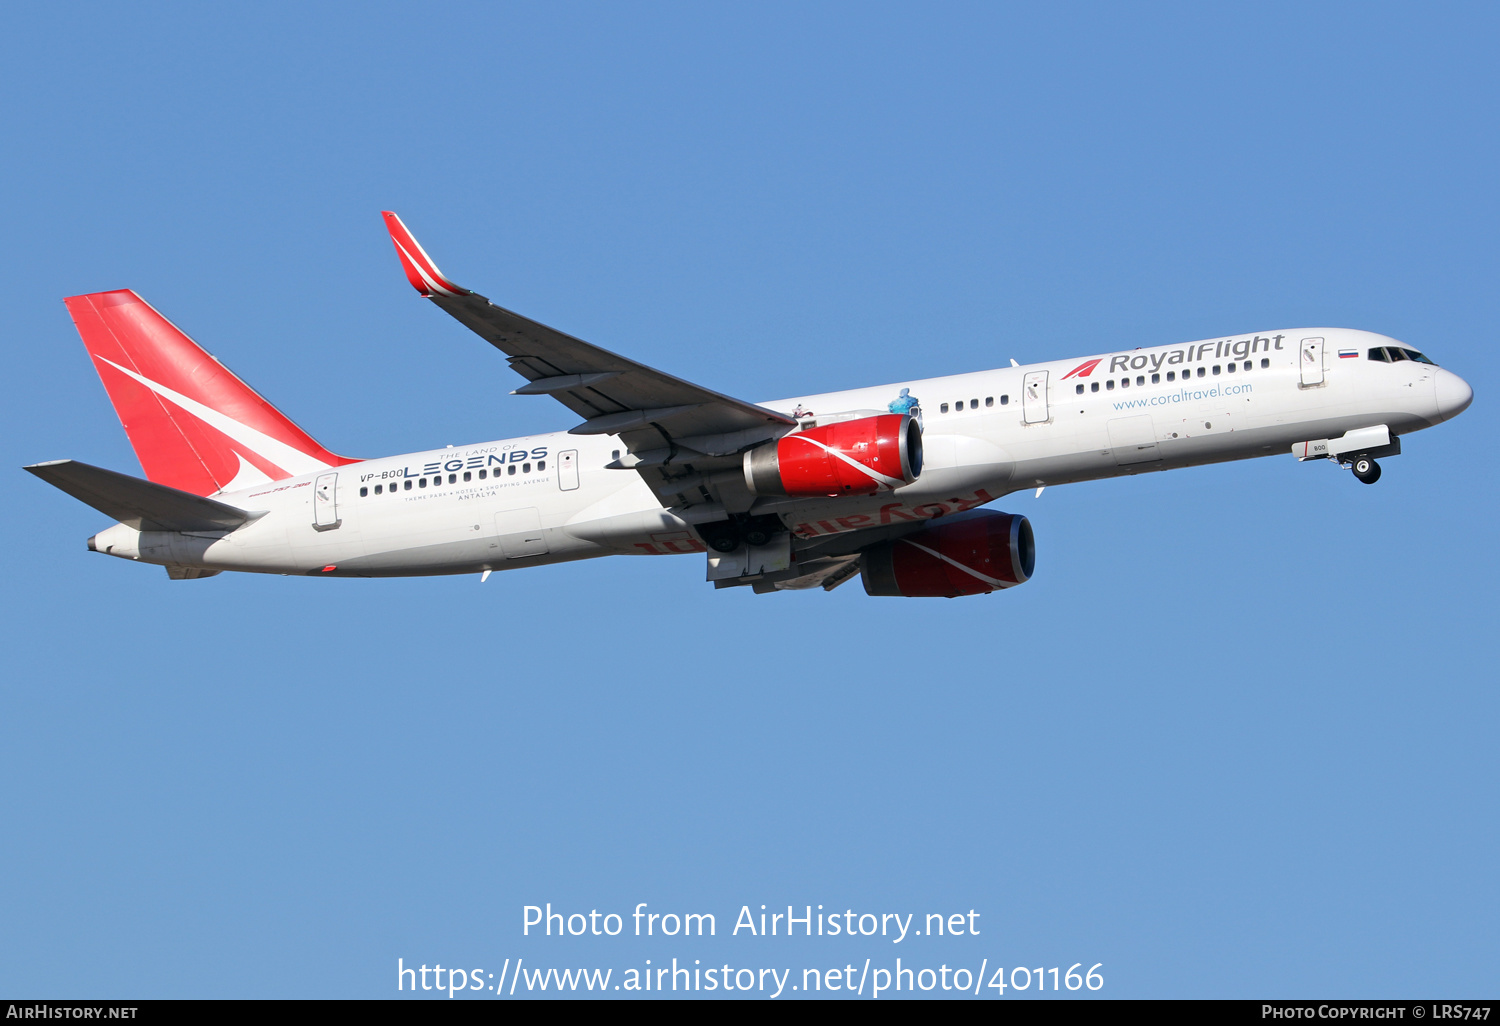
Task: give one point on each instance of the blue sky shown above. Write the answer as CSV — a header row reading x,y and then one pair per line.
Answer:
x,y
1234,739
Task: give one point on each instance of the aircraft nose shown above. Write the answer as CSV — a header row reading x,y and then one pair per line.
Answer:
x,y
1453,394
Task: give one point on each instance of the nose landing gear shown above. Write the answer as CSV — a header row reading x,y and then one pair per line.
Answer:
x,y
1366,470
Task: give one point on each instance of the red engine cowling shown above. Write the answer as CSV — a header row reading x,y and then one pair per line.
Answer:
x,y
971,553
851,457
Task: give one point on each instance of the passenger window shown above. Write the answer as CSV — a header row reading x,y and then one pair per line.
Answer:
x,y
614,455
943,408
453,479
989,400
1109,386
1140,379
1233,367
1171,375
541,465
973,404
421,482
1094,387
1247,364
1264,363
1005,400
511,469
483,475
1156,379
1216,368
467,476
378,489
1202,371
407,485
363,492
1124,382
1078,389
526,468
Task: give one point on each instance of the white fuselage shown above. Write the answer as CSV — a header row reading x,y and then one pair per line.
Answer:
x,y
550,498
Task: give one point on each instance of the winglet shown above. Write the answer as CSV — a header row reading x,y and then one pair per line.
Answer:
x,y
420,270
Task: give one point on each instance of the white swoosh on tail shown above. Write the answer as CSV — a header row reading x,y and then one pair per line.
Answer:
x,y
249,476
293,461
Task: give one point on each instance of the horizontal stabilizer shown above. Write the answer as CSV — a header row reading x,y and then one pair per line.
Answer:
x,y
139,504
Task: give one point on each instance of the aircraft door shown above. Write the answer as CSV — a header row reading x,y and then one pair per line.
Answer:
x,y
1034,397
567,470
325,502
1311,362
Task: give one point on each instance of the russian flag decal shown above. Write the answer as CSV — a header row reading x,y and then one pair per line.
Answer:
x,y
1348,354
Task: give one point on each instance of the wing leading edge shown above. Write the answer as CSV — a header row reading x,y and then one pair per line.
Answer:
x,y
681,437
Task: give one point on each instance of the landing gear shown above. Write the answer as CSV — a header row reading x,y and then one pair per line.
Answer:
x,y
728,535
760,530
722,535
1366,470
756,534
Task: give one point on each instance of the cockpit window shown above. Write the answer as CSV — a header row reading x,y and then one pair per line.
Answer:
x,y
1395,354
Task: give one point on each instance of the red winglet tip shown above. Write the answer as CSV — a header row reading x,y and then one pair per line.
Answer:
x,y
420,270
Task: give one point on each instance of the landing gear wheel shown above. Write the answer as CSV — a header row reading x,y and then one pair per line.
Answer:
x,y
1366,470
757,536
721,535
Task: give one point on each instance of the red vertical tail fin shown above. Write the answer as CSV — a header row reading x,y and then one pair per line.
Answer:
x,y
192,423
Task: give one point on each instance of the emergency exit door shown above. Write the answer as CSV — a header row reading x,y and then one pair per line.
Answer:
x,y
567,470
1034,397
1311,362
325,502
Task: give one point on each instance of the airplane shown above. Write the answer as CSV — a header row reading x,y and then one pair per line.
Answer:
x,y
890,483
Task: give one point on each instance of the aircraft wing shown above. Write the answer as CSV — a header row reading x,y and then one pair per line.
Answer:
x,y
673,429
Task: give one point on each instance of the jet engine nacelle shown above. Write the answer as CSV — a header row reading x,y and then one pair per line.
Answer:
x,y
849,457
971,553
